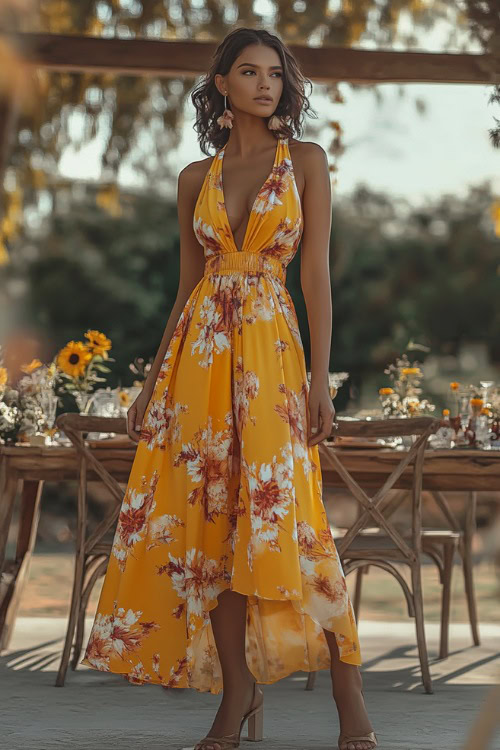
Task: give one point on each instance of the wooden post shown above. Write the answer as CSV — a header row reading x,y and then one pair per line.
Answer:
x,y
7,121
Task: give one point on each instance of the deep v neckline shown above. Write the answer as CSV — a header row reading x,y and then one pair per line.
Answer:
x,y
264,184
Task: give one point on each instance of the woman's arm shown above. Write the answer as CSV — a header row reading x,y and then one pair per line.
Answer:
x,y
315,283
192,260
192,264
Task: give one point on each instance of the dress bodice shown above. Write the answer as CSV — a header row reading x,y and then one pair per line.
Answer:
x,y
275,223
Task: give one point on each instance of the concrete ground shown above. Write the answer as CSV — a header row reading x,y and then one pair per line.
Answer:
x,y
99,711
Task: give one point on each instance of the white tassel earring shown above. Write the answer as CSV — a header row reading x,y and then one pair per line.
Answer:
x,y
275,122
226,118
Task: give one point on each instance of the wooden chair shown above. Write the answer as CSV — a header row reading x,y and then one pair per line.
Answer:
x,y
440,545
92,551
360,546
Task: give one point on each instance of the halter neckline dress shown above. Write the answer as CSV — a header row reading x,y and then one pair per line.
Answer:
x,y
224,492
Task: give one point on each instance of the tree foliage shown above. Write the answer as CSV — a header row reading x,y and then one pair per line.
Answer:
x,y
401,272
73,107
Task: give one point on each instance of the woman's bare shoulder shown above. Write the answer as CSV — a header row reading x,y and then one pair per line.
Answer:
x,y
192,175
306,150
307,158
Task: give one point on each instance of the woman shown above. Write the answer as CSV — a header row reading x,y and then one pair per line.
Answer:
x,y
223,572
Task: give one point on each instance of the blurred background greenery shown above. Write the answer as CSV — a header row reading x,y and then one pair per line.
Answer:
x,y
399,273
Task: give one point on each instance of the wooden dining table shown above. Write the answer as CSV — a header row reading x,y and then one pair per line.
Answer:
x,y
24,468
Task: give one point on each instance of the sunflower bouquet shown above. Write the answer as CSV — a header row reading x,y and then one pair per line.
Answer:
x,y
79,364
404,399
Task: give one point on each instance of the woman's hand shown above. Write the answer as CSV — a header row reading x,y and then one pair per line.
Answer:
x,y
135,415
321,413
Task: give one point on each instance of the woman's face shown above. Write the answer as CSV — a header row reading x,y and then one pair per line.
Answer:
x,y
256,72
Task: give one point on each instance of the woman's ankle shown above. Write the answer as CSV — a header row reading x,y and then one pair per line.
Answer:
x,y
346,680
238,680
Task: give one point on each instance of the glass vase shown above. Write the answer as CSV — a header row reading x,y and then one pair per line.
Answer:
x,y
83,400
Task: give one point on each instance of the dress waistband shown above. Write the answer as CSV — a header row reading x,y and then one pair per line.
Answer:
x,y
245,262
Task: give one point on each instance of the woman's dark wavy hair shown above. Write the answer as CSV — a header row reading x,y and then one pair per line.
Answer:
x,y
209,102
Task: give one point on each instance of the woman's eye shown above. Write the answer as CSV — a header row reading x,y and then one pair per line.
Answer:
x,y
253,71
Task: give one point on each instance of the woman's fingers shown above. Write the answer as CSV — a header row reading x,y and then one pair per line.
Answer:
x,y
321,427
133,425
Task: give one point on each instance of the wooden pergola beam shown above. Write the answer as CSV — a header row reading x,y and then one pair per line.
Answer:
x,y
151,57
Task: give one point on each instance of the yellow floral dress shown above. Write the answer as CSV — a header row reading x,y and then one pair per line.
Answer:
x,y
224,491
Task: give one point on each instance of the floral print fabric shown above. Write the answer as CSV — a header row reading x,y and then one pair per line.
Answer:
x,y
224,491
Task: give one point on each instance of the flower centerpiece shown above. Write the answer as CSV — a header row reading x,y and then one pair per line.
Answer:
x,y
403,398
79,364
476,416
20,414
494,415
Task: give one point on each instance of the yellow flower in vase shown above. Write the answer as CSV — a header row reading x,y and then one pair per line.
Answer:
x,y
415,371
98,343
385,391
413,407
4,375
33,365
476,405
74,358
123,398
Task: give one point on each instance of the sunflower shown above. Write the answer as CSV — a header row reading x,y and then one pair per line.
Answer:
x,y
33,365
454,386
3,376
98,343
385,391
74,358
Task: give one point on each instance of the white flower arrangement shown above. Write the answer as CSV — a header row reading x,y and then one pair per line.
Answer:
x,y
403,399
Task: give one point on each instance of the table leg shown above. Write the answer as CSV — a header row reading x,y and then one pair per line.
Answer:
x,y
26,537
8,489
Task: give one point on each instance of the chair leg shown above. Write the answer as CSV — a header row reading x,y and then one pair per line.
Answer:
x,y
79,575
470,591
311,679
466,552
356,602
419,625
95,568
80,627
448,556
73,615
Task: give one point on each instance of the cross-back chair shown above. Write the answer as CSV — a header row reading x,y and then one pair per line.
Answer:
x,y
387,547
440,545
93,550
